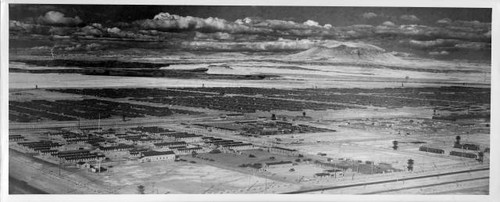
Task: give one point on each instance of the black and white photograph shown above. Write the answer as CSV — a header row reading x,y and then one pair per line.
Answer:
x,y
168,99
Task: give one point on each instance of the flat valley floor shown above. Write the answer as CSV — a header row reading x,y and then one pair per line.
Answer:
x,y
336,125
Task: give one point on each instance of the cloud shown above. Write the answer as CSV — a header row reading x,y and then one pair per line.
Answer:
x,y
20,26
249,20
488,34
249,33
97,30
470,26
473,45
279,45
56,18
444,21
249,25
82,47
278,24
410,18
448,44
437,53
92,31
432,43
213,36
311,23
355,31
473,23
440,43
422,32
141,35
388,23
114,30
168,22
62,31
369,15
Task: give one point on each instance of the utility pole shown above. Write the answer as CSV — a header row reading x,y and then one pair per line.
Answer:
x,y
265,184
52,52
153,188
99,122
99,165
59,166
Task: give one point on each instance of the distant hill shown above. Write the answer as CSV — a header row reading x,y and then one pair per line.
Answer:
x,y
347,51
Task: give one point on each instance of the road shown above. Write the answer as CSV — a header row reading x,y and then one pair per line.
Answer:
x,y
405,179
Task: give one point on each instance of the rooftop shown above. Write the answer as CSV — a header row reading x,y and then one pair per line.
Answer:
x,y
278,163
281,148
157,153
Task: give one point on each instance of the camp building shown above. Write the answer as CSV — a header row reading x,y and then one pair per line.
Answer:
x,y
151,156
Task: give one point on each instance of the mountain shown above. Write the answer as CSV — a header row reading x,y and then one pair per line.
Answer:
x,y
348,52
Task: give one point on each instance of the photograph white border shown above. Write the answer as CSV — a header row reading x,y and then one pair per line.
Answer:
x,y
495,93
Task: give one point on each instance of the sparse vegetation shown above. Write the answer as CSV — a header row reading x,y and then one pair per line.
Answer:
x,y
457,141
141,189
480,156
395,145
215,151
410,164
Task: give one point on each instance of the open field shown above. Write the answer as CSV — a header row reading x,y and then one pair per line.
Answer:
x,y
304,75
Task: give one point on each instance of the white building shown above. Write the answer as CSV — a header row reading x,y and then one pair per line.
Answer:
x,y
152,156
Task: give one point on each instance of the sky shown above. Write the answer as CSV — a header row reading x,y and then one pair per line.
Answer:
x,y
432,32
337,16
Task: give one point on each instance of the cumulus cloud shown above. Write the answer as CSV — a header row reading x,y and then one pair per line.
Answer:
x,y
92,31
473,23
278,24
282,44
80,47
56,18
437,53
168,22
250,25
114,30
444,21
448,44
117,33
470,25
410,18
311,23
72,47
213,36
61,31
97,30
388,24
435,43
488,34
369,15
449,35
426,44
473,45
249,20
355,31
20,26
429,32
